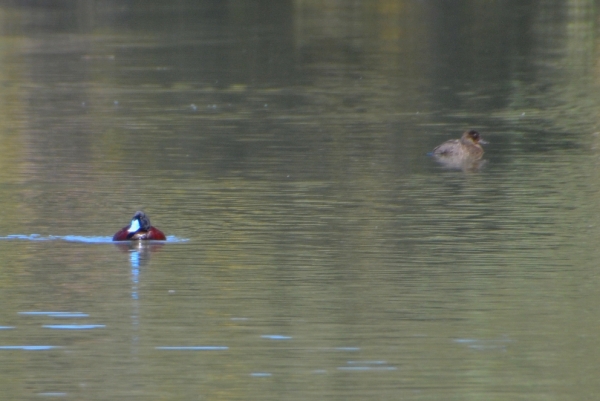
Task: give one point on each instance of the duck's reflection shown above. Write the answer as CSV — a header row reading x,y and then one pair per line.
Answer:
x,y
139,256
466,165
140,253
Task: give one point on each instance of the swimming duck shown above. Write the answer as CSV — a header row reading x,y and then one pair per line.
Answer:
x,y
467,148
139,229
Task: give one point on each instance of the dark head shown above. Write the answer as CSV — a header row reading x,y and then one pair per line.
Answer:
x,y
473,136
139,222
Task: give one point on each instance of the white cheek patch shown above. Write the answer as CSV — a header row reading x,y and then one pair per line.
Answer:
x,y
134,226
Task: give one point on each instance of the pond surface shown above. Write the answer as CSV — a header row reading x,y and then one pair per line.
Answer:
x,y
314,250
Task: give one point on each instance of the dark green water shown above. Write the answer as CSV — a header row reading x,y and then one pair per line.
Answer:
x,y
316,251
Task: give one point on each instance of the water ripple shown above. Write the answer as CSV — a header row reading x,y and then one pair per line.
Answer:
x,y
55,394
76,238
74,326
193,348
499,344
276,337
54,314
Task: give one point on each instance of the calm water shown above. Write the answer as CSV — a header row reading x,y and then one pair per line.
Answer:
x,y
315,251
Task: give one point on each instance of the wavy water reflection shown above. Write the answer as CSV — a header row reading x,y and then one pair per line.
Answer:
x,y
193,348
73,326
79,238
55,314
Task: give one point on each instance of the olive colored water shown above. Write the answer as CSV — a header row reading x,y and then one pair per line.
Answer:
x,y
315,251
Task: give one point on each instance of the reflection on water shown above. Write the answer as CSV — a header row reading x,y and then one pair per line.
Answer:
x,y
154,245
28,347
195,348
74,326
314,249
55,314
467,166
484,345
276,337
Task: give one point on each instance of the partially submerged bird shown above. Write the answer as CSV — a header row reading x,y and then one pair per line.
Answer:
x,y
139,229
467,147
464,153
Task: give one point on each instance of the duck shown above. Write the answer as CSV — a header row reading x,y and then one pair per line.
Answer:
x,y
466,149
139,229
